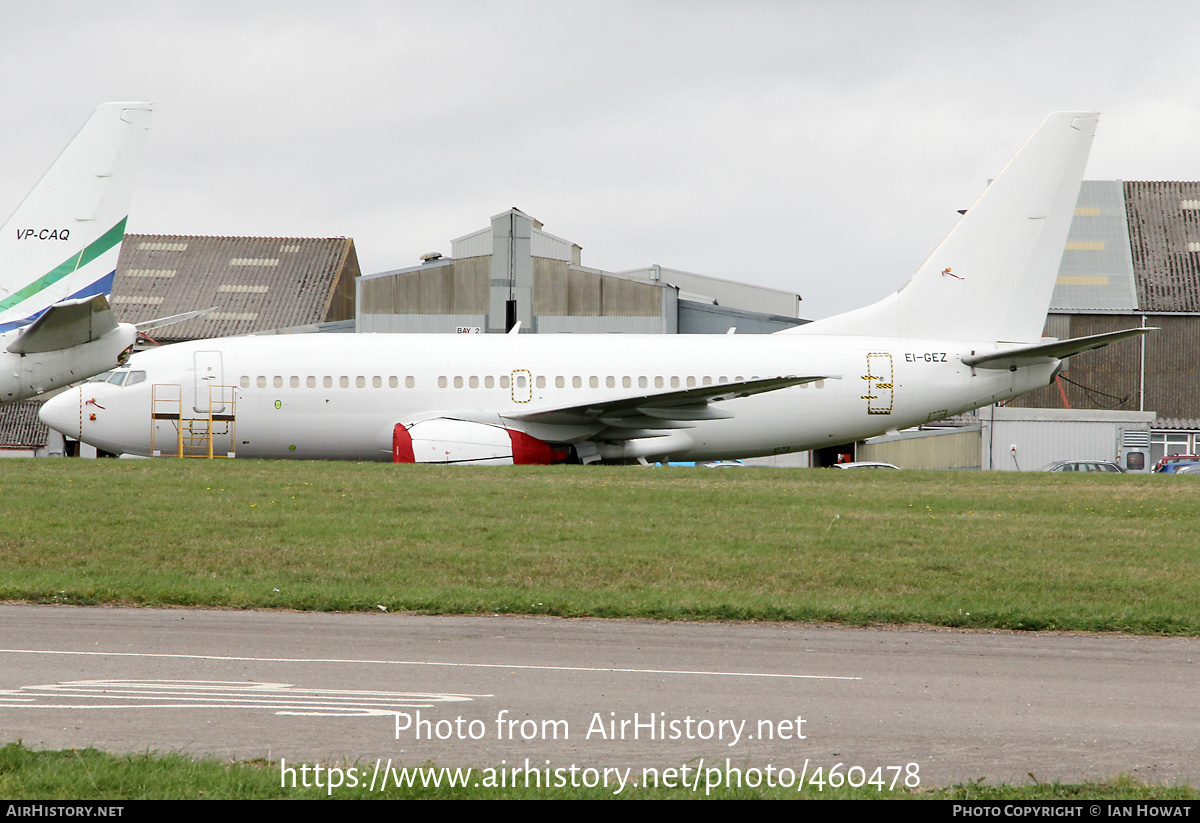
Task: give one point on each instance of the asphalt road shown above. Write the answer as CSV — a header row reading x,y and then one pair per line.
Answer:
x,y
493,691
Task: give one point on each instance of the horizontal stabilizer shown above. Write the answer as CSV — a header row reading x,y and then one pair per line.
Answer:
x,y
1045,352
147,325
66,324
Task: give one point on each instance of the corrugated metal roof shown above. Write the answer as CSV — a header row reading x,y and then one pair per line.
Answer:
x,y
1180,423
20,426
256,283
1164,222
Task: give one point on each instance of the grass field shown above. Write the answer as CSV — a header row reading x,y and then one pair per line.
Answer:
x,y
1009,550
89,774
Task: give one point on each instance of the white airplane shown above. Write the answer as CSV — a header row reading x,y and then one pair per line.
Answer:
x,y
59,254
965,331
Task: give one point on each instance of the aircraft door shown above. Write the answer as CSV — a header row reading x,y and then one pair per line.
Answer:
x,y
879,383
209,375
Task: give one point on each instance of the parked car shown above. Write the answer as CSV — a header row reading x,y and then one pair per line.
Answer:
x,y
1171,462
1082,466
865,464
1188,468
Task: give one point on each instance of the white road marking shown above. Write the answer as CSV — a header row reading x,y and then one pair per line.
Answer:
x,y
511,666
284,698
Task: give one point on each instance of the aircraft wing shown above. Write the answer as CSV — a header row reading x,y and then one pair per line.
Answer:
x,y
1045,352
661,410
66,324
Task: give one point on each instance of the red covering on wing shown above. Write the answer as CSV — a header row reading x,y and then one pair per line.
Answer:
x,y
402,450
528,450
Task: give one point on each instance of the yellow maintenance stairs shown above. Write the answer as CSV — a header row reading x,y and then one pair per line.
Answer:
x,y
208,430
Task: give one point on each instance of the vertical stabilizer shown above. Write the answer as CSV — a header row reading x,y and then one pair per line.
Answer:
x,y
992,277
63,240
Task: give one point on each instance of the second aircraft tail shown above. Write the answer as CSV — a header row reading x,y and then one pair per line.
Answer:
x,y
62,242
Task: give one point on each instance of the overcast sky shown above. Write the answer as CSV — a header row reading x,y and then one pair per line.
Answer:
x,y
816,147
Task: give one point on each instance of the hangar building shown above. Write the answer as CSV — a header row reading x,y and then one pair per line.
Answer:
x,y
514,271
257,284
1132,259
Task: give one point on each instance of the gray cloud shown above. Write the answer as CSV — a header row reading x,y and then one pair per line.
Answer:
x,y
816,147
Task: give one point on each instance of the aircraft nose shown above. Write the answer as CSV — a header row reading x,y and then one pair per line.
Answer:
x,y
61,413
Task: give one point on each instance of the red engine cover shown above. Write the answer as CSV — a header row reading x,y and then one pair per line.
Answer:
x,y
528,450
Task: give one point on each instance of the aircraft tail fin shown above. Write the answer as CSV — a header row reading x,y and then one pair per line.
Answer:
x,y
992,277
63,240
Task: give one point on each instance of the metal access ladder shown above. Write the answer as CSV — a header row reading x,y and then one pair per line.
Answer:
x,y
208,433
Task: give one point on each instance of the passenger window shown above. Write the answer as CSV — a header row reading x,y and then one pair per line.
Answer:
x,y
261,382
541,381
311,382
458,382
295,382
344,382
577,382
643,382
658,382
489,382
377,382
473,382
560,382
245,382
393,382
442,382
278,381
327,382
610,382
409,382
594,382
504,381
674,382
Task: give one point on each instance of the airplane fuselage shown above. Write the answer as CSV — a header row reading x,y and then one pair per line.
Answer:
x,y
341,396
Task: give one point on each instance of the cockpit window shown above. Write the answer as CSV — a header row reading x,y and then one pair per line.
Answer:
x,y
119,378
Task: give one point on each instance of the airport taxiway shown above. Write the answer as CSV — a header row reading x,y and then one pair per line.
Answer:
x,y
493,690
